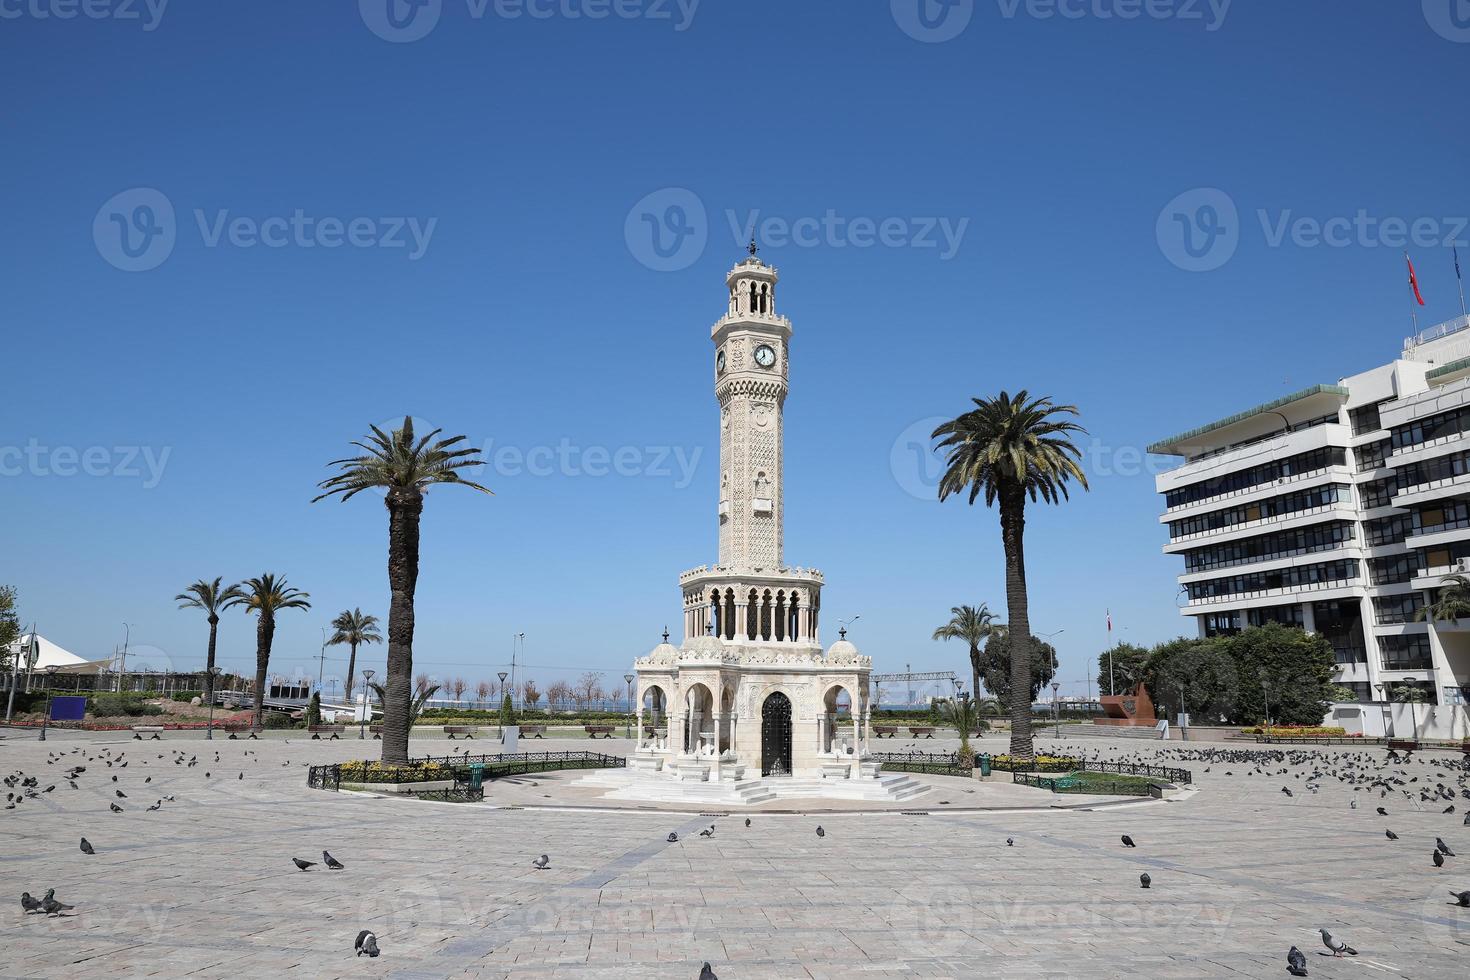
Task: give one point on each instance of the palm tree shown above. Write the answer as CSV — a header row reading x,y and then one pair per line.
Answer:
x,y
266,596
1453,602
974,626
354,628
404,468
210,597
961,715
416,706
1012,449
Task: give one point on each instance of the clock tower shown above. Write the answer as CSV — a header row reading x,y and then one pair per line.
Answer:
x,y
750,595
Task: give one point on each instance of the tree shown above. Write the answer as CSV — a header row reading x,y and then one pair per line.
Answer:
x,y
1452,601
961,715
354,628
974,626
529,694
507,711
405,468
1121,669
557,694
415,705
482,692
589,688
210,597
997,672
9,625
1199,675
421,683
265,596
314,709
458,686
1296,667
1012,450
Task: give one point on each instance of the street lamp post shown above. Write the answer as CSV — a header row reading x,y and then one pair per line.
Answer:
x,y
503,692
214,673
629,679
1056,706
367,678
1183,715
123,668
1413,706
50,676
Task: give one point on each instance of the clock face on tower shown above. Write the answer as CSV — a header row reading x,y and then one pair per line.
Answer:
x,y
765,356
720,361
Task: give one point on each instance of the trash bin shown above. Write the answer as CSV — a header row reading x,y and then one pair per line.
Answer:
x,y
984,767
477,775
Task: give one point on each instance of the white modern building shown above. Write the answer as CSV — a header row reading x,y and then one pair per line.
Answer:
x,y
1341,509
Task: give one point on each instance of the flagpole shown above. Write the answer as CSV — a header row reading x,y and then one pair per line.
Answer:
x,y
1459,279
1413,310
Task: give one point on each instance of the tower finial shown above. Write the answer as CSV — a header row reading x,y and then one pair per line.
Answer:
x,y
752,247
666,634
842,633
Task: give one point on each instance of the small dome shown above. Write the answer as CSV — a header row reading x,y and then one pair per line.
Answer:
x,y
664,651
842,649
706,643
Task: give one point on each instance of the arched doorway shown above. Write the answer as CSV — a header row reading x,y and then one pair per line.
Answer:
x,y
776,735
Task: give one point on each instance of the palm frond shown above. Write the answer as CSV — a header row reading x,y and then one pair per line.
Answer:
x,y
398,461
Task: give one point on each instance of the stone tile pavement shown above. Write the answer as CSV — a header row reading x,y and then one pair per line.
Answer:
x,y
205,887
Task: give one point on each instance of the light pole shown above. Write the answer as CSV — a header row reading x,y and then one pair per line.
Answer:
x,y
629,679
127,635
367,678
50,675
1056,706
1183,715
214,673
503,695
1413,696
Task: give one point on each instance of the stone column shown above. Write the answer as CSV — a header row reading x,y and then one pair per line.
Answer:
x,y
740,617
719,723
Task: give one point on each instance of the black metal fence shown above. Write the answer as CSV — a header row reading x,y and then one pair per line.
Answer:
x,y
933,763
1074,784
461,769
521,763
1153,772
324,777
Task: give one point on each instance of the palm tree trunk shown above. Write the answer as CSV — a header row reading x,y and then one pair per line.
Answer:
x,y
265,631
351,669
1012,533
975,672
405,507
209,661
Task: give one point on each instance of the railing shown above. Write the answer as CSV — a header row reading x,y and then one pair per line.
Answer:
x,y
461,769
324,777
1071,784
521,763
1126,769
933,763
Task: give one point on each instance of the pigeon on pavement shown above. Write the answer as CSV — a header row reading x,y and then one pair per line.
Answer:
x,y
1128,841
366,943
332,862
51,906
87,847
303,865
541,863
1443,848
1145,880
28,903
1462,898
1296,962
705,973
673,837
115,808
1391,835
708,831
820,831
1337,946
1438,860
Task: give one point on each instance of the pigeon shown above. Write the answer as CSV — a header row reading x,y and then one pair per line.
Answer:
x,y
1391,835
366,943
28,903
1145,880
120,794
705,973
1467,818
1287,791
1462,898
1296,962
820,831
1338,947
1128,841
747,821
115,808
708,831
673,838
1382,812
87,847
242,775
1443,848
1010,842
303,865
541,863
51,906
1438,860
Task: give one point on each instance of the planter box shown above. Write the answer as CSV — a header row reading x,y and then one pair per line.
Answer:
x,y
396,788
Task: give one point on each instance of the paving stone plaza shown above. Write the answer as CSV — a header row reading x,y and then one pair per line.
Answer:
x,y
205,887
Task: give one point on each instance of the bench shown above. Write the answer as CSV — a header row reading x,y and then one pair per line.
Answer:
x,y
468,731
1402,745
595,730
140,730
317,731
924,730
237,728
879,731
533,731
376,731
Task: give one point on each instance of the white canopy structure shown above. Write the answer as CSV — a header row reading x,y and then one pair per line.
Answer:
x,y
47,654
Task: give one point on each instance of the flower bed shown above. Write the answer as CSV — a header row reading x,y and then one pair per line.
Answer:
x,y
1287,731
1042,763
381,772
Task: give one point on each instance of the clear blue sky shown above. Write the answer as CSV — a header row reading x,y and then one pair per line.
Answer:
x,y
532,318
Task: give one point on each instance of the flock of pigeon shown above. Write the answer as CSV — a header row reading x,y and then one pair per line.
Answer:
x,y
1397,781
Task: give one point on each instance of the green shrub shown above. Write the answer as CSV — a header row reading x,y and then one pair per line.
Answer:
x,y
186,696
507,712
279,720
130,705
314,709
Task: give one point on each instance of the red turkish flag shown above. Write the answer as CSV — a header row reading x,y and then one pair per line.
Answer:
x,y
1413,280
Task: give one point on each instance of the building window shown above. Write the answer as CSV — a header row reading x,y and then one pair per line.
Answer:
x,y
1260,510
1396,569
1267,547
1430,428
1408,652
1365,419
1222,624
1373,455
1255,476
1285,615
1394,610
1324,575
